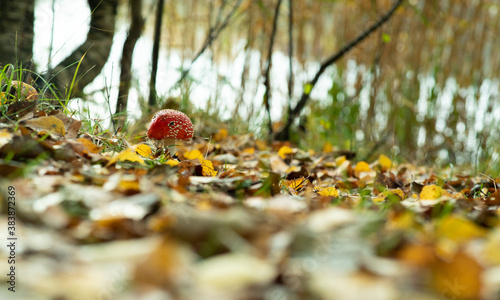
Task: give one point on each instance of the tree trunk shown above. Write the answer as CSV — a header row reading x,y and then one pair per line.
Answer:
x,y
155,54
96,49
16,32
126,61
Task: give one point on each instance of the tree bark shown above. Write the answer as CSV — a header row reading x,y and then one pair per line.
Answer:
x,y
155,54
96,49
16,32
126,61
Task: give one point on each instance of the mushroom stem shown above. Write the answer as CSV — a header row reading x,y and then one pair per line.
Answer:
x,y
170,145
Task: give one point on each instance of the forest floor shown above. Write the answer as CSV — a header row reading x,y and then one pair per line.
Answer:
x,y
91,216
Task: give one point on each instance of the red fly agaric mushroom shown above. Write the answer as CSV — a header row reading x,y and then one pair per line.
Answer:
x,y
169,125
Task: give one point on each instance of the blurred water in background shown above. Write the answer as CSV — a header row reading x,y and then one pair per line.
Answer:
x,y
220,81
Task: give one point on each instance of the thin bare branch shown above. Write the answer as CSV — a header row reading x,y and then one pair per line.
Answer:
x,y
284,134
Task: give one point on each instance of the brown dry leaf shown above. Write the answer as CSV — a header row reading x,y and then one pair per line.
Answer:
x,y
23,91
50,124
71,125
278,165
91,147
165,267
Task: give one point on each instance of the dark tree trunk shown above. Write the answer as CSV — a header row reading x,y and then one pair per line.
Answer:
x,y
16,32
156,50
126,61
96,49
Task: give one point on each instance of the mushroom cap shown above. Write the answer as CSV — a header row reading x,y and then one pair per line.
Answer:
x,y
170,124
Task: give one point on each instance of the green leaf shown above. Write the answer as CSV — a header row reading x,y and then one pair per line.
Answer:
x,y
308,88
386,38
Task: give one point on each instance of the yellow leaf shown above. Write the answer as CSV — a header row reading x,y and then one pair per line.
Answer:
x,y
362,167
222,134
93,148
459,277
308,88
431,192
193,154
401,221
204,205
143,150
172,162
207,168
250,150
490,251
261,145
5,137
395,192
328,191
283,151
458,229
384,161
327,147
48,124
128,185
126,155
3,99
295,184
340,160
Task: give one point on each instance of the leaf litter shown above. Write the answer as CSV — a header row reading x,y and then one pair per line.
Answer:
x,y
238,218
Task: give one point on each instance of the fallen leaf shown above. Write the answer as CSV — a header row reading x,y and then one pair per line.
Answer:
x,y
93,148
458,278
233,272
193,154
143,150
43,125
284,151
458,229
222,134
328,191
171,162
431,192
126,155
207,168
5,137
384,161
